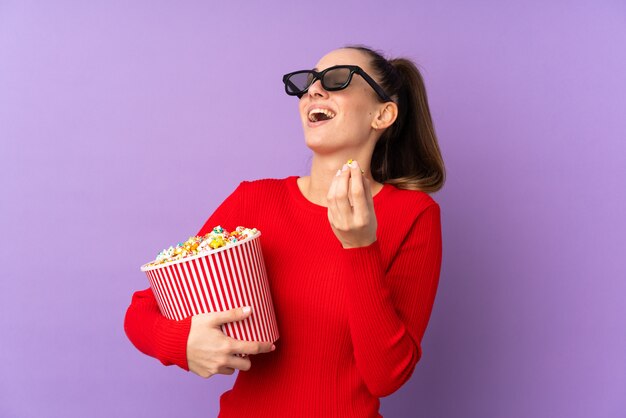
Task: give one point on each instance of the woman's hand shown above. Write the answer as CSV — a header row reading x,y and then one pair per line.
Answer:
x,y
209,351
351,208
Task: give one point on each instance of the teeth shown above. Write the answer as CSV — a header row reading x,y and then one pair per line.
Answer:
x,y
313,114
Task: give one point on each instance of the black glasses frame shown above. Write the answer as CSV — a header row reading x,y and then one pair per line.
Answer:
x,y
320,76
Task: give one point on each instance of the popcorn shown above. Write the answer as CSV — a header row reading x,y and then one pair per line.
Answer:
x,y
350,162
199,245
215,272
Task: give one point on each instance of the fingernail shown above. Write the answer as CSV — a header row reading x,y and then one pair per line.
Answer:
x,y
246,309
345,167
354,164
273,347
338,173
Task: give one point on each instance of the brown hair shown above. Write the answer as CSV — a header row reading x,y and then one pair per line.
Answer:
x,y
407,154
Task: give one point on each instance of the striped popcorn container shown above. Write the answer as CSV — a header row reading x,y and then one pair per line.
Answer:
x,y
225,278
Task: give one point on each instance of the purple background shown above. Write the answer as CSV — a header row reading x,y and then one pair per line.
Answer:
x,y
123,126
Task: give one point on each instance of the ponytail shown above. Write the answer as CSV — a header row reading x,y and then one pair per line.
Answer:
x,y
407,154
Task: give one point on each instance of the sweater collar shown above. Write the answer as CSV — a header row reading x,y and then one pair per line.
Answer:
x,y
292,183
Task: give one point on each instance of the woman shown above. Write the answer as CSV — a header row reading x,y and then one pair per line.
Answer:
x,y
352,252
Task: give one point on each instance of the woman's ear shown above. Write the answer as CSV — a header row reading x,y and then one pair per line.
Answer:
x,y
386,116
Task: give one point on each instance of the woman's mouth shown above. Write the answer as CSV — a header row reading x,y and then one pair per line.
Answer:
x,y
319,116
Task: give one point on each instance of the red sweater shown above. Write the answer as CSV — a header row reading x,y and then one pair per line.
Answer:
x,y
350,320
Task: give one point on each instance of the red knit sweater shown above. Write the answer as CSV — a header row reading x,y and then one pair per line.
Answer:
x,y
350,320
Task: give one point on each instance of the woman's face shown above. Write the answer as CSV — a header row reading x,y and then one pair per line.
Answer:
x,y
354,107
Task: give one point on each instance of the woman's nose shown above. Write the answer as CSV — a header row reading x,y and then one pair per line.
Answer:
x,y
316,89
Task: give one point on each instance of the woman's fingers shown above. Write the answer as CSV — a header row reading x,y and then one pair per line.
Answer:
x,y
358,192
342,200
226,370
210,351
249,347
239,363
349,196
351,207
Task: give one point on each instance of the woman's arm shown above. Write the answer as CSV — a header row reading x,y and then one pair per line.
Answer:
x,y
155,335
389,311
147,328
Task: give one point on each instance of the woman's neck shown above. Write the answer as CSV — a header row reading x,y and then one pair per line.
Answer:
x,y
315,187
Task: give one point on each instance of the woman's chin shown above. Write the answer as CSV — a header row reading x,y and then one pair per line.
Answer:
x,y
320,145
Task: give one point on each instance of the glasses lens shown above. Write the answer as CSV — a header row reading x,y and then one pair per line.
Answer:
x,y
299,82
336,78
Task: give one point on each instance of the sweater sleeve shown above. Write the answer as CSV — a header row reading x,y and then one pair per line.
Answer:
x,y
389,310
145,326
155,335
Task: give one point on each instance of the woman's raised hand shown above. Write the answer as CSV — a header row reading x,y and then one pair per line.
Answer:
x,y
351,207
210,351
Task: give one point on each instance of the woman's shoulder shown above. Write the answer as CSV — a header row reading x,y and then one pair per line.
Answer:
x,y
264,188
411,199
264,197
265,183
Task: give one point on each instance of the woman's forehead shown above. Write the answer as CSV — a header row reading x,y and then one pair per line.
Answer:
x,y
343,56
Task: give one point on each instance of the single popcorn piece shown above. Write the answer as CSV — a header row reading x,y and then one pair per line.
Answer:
x,y
350,162
199,245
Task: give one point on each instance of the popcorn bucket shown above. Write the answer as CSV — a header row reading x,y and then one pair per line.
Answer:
x,y
225,278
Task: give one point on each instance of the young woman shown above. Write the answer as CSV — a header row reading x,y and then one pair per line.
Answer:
x,y
352,252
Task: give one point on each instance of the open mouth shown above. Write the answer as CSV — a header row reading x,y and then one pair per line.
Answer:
x,y
318,115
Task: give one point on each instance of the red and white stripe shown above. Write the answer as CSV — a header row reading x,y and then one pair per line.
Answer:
x,y
228,278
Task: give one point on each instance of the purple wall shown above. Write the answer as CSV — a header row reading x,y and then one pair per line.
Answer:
x,y
123,127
